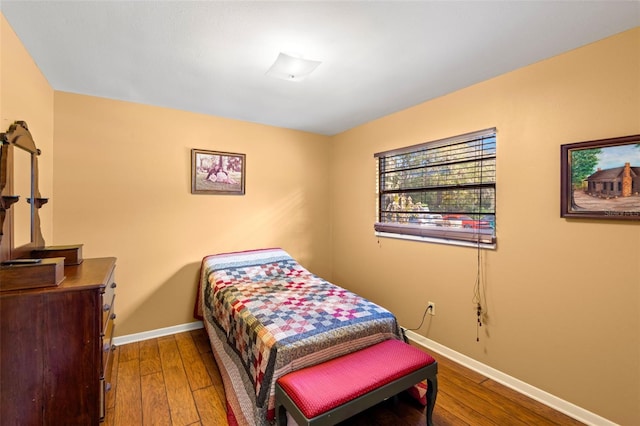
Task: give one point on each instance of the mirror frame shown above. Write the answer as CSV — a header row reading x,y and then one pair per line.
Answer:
x,y
18,137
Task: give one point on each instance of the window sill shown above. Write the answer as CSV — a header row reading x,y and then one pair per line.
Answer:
x,y
423,239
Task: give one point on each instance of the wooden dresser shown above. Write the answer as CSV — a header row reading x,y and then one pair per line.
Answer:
x,y
56,348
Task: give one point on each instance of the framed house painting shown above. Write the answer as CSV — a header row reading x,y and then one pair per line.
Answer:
x,y
601,179
215,172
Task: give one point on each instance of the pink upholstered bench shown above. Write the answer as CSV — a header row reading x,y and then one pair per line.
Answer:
x,y
327,393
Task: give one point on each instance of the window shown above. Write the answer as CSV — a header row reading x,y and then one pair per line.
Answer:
x,y
443,191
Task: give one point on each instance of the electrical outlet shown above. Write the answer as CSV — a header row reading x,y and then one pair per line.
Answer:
x,y
431,307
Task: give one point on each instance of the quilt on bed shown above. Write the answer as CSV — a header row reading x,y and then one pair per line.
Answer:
x,y
274,317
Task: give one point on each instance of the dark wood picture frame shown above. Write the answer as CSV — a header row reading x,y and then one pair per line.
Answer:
x,y
217,172
600,179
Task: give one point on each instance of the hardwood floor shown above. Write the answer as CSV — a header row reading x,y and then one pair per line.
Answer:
x,y
174,380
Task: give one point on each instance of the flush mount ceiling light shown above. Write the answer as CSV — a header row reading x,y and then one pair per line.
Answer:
x,y
292,68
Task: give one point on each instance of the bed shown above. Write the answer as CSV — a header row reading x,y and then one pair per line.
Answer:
x,y
266,316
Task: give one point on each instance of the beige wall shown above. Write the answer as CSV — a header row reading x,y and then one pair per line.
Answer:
x,y
562,296
122,188
27,96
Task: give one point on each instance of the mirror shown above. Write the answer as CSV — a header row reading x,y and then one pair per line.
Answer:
x,y
22,188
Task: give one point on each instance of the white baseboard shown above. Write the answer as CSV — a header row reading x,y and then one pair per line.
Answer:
x,y
152,334
539,395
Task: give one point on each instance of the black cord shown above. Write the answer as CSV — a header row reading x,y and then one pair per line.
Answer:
x,y
477,291
421,322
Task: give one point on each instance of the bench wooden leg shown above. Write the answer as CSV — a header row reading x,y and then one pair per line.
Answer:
x,y
432,393
281,415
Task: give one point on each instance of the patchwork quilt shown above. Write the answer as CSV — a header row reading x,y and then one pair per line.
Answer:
x,y
266,316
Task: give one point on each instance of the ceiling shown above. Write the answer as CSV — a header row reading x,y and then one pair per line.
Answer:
x,y
378,57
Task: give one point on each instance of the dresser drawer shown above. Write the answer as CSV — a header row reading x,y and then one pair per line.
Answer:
x,y
105,377
107,337
107,302
108,317
108,326
107,360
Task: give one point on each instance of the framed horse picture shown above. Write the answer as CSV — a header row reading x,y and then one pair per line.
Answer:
x,y
215,172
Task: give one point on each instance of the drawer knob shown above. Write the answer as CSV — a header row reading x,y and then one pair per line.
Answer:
x,y
107,387
106,347
106,307
113,316
113,285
